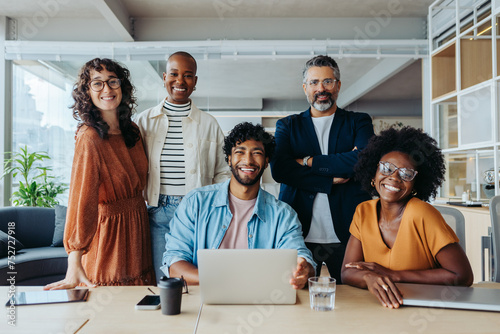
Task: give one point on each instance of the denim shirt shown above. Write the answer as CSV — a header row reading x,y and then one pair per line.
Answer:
x,y
203,217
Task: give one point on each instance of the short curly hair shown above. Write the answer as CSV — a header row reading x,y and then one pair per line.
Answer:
x,y
248,131
86,113
421,148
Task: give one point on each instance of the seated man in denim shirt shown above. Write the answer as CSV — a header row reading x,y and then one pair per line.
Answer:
x,y
236,213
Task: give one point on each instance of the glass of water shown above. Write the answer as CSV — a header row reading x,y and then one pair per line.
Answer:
x,y
322,293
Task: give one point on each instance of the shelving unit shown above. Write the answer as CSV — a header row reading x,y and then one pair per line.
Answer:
x,y
464,48
465,90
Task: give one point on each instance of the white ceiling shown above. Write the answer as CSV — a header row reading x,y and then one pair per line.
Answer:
x,y
229,8
268,78
271,8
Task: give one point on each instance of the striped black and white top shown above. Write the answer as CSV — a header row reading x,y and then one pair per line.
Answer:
x,y
172,162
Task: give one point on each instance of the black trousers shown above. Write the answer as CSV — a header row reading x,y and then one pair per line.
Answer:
x,y
331,254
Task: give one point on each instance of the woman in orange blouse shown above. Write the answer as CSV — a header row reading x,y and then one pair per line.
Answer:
x,y
398,237
107,229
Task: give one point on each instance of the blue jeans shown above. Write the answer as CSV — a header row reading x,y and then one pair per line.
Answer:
x,y
159,223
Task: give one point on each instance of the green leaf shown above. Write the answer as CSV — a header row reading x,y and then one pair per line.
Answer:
x,y
36,186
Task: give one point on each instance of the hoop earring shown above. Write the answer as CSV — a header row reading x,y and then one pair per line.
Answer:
x,y
413,192
373,183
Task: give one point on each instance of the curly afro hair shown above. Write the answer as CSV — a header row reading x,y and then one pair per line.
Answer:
x,y
247,131
421,148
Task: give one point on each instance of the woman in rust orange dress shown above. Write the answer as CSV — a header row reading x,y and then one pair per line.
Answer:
x,y
107,231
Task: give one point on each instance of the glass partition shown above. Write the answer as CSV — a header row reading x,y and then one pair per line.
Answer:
x,y
476,117
469,172
41,118
446,121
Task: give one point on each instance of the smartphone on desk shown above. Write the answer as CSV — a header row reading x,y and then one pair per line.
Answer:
x,y
149,302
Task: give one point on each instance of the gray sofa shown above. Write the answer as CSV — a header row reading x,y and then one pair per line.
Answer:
x,y
37,263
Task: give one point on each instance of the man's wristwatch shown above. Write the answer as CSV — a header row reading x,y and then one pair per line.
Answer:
x,y
304,162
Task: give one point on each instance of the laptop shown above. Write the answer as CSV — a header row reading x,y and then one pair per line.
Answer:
x,y
247,276
456,297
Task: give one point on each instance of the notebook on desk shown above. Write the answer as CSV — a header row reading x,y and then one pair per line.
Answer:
x,y
246,276
456,297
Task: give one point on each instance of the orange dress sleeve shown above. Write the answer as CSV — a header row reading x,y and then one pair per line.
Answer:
x,y
82,215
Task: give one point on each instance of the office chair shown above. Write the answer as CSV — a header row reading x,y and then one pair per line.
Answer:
x,y
495,238
455,219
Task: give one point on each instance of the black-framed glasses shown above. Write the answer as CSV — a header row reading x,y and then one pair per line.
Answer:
x,y
327,83
98,85
387,168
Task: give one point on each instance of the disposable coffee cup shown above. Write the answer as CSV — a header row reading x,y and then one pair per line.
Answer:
x,y
170,295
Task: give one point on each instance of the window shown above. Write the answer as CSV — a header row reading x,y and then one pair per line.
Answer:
x,y
41,115
41,118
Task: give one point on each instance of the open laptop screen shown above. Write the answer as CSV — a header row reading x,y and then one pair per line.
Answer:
x,y
247,276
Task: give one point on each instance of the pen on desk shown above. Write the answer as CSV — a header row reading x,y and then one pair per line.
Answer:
x,y
152,291
82,326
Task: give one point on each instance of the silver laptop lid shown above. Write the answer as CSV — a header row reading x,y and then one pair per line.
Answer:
x,y
247,276
456,297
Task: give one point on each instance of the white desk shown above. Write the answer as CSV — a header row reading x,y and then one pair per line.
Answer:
x,y
111,310
108,310
356,311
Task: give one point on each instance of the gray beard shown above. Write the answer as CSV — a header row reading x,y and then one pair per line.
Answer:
x,y
322,106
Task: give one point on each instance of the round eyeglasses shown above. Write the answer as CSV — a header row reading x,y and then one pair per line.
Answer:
x,y
387,169
327,83
98,85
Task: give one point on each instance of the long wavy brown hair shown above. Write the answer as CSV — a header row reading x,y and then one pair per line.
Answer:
x,y
86,113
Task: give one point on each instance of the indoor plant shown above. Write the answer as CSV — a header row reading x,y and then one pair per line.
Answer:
x,y
36,186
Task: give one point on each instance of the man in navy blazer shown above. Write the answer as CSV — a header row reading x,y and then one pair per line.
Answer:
x,y
315,154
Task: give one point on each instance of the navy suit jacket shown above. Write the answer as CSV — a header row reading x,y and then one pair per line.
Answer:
x,y
296,138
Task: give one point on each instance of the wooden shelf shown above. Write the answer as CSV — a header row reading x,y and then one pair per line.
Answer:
x,y
453,98
498,57
475,65
443,72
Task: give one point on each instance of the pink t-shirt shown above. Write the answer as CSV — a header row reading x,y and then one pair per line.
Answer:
x,y
236,236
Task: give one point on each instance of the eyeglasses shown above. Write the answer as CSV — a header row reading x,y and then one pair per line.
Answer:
x,y
387,168
327,83
98,85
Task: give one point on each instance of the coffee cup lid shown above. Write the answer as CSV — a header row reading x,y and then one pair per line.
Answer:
x,y
170,282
